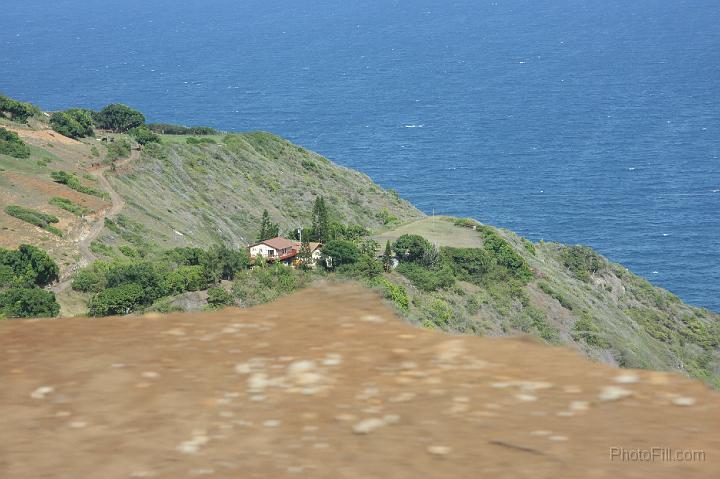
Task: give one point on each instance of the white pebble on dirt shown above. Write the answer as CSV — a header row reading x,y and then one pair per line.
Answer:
x,y
613,393
41,392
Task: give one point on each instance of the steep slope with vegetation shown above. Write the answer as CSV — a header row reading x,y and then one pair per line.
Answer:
x,y
201,192
458,275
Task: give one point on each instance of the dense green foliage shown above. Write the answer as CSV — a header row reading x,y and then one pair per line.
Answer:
x,y
23,272
17,111
415,249
12,145
425,278
66,204
118,118
340,253
581,261
219,297
510,264
28,303
73,123
262,285
34,217
174,272
143,135
168,129
123,299
72,181
27,266
395,293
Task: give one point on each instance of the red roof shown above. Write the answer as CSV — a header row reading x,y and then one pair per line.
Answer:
x,y
278,243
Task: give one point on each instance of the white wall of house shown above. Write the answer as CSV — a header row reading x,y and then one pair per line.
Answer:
x,y
262,250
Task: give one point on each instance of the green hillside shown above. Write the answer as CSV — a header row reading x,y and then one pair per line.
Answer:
x,y
199,194
572,296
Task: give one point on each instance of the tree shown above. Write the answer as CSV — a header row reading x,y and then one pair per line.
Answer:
x,y
268,229
415,249
222,262
320,220
144,136
117,300
12,145
17,111
118,118
387,257
305,255
73,123
146,275
28,303
340,252
30,266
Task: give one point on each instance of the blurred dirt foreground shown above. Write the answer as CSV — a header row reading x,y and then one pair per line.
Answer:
x,y
330,383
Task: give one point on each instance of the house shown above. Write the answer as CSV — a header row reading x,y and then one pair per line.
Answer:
x,y
315,253
275,249
284,250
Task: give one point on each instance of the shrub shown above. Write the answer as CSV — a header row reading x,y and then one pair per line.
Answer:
x,y
73,182
91,279
185,278
118,118
28,303
395,293
17,111
547,289
581,261
12,145
586,330
118,149
465,222
222,262
261,285
147,275
122,299
427,279
144,136
28,266
218,297
73,123
167,129
68,205
341,252
365,267
469,264
437,314
509,262
34,217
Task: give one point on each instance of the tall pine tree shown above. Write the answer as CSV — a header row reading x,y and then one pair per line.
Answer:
x,y
268,229
387,259
320,220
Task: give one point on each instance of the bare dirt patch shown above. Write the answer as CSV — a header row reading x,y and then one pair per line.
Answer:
x,y
329,383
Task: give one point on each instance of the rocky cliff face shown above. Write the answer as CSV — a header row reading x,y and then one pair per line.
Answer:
x,y
330,383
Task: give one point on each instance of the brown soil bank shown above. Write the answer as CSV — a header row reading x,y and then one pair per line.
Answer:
x,y
329,383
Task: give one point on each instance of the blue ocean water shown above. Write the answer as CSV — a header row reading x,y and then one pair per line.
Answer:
x,y
591,122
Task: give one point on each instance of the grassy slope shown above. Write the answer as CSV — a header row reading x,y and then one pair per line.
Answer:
x,y
641,325
183,194
27,182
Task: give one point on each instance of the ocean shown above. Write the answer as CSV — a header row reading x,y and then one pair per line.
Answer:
x,y
593,122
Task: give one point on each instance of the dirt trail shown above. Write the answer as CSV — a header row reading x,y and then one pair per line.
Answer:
x,y
330,383
88,236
